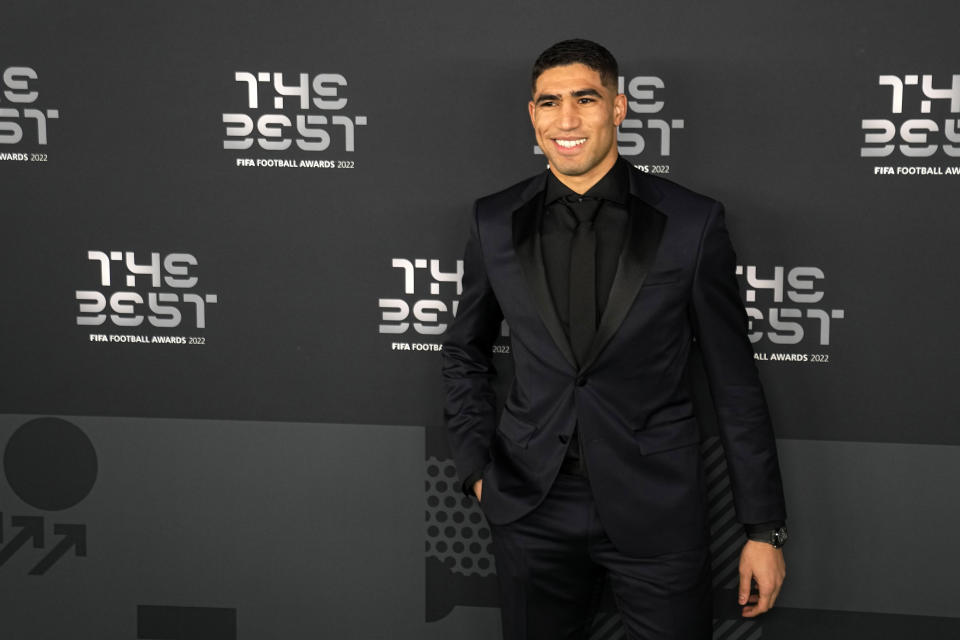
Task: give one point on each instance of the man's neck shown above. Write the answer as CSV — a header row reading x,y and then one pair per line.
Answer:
x,y
582,183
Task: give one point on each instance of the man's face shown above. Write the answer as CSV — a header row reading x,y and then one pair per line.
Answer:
x,y
575,118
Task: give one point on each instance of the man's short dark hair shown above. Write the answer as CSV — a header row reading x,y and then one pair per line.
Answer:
x,y
580,51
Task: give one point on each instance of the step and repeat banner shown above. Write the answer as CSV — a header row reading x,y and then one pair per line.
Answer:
x,y
231,246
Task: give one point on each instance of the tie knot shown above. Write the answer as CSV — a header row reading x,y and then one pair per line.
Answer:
x,y
584,208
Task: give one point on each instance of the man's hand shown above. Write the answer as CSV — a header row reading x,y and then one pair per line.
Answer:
x,y
763,563
478,489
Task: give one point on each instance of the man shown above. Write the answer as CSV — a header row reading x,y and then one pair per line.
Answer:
x,y
605,275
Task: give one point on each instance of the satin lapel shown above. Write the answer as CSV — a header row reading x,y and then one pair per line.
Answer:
x,y
644,231
526,242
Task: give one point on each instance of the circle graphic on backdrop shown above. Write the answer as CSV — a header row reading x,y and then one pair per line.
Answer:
x,y
50,464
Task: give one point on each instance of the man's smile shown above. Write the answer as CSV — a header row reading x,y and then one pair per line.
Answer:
x,y
567,143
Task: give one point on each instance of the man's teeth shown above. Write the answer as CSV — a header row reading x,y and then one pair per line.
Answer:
x,y
570,144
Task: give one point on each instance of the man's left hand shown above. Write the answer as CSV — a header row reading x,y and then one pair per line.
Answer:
x,y
763,563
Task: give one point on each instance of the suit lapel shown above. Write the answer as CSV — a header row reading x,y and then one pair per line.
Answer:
x,y
644,231
526,242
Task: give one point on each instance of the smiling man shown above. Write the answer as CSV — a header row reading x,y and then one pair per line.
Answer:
x,y
575,113
606,276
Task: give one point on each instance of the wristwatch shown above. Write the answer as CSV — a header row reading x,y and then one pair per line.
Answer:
x,y
776,537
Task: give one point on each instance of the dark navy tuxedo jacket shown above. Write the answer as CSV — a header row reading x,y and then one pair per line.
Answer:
x,y
630,398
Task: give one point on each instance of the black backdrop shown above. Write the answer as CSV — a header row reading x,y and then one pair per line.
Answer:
x,y
264,471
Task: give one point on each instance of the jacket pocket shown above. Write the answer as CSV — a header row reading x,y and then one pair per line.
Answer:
x,y
516,430
665,437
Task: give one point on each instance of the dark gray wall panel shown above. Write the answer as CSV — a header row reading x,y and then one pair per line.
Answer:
x,y
300,529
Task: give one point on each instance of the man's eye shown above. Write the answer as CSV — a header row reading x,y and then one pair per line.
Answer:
x,y
585,100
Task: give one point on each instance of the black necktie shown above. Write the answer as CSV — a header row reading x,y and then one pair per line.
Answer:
x,y
583,275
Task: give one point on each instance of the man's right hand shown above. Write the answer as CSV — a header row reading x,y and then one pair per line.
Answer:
x,y
478,489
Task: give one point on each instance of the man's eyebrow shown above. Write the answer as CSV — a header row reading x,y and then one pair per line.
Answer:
x,y
580,93
543,97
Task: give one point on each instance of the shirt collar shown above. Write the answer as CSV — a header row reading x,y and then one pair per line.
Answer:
x,y
613,186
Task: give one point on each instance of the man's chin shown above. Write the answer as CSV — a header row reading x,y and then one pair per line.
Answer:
x,y
568,168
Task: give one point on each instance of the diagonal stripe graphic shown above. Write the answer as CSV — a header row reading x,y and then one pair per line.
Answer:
x,y
726,553
607,627
726,537
741,628
756,634
718,488
721,520
711,444
719,630
722,565
719,495
713,468
712,454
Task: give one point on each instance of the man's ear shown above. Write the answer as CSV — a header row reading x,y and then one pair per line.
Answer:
x,y
531,107
619,108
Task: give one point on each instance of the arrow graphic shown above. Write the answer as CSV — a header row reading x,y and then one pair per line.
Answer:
x,y
30,527
74,536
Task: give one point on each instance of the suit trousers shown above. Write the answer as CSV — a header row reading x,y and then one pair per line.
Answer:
x,y
551,565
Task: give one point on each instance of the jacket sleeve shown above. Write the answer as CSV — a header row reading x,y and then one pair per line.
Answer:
x,y
470,411
720,325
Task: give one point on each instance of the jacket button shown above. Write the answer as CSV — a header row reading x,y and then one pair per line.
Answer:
x,y
581,381
564,439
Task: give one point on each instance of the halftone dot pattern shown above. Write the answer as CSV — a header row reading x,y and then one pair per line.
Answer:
x,y
457,533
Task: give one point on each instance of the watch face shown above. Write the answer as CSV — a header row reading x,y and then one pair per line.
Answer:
x,y
779,537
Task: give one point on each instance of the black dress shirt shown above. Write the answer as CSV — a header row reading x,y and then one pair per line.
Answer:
x,y
557,230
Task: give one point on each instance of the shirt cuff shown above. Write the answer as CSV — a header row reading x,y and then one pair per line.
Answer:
x,y
761,528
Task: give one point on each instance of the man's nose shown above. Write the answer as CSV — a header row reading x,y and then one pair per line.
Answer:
x,y
569,116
